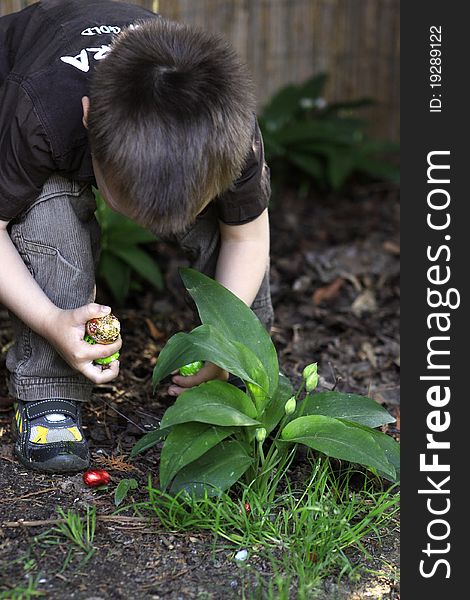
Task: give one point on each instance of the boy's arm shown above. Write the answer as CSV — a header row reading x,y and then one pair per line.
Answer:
x,y
242,263
243,257
64,329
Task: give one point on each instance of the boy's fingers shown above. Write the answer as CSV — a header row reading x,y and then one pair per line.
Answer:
x,y
175,390
82,314
207,373
104,350
98,375
111,372
187,382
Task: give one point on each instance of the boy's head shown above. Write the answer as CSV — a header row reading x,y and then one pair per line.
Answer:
x,y
170,121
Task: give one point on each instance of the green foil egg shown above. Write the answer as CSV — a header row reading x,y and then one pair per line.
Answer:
x,y
191,368
107,360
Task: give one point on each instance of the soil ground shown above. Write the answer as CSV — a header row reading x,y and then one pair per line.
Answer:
x,y
335,289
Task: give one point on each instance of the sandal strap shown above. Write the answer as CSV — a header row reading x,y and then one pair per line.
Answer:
x,y
46,407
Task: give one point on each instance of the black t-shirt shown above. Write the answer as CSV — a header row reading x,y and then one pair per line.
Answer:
x,y
48,52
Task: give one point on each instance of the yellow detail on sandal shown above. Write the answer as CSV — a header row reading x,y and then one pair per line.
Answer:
x,y
75,432
41,435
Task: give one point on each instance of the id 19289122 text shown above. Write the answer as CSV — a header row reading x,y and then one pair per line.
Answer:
x,y
435,68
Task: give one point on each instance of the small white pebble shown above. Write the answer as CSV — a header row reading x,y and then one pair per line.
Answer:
x,y
241,555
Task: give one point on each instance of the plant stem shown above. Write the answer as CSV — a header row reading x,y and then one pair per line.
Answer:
x,y
302,385
261,453
275,456
251,473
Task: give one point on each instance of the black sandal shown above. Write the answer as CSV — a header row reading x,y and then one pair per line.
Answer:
x,y
54,446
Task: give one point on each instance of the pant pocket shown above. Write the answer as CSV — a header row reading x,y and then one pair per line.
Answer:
x,y
56,276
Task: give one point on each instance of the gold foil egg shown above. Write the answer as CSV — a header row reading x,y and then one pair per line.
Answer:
x,y
104,330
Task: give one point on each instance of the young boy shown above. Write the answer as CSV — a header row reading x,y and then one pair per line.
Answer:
x,y
161,118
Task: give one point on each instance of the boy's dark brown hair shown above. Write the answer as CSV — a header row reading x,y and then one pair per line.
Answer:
x,y
171,119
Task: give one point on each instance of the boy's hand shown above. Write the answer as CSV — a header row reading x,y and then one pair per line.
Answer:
x,y
208,372
65,330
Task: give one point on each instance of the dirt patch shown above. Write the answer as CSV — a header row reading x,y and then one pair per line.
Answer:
x,y
335,288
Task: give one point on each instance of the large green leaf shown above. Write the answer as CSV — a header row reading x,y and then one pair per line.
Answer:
x,y
220,308
214,402
350,407
128,233
312,88
273,149
215,471
285,104
309,163
142,263
149,440
340,440
274,411
207,343
116,274
259,395
339,167
185,444
282,107
106,217
390,447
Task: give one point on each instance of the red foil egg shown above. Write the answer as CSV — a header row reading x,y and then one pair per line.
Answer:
x,y
96,477
247,507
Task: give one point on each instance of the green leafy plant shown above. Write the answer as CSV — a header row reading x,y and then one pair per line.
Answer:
x,y
307,139
121,254
123,488
215,433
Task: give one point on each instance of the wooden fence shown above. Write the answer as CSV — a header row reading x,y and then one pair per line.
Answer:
x,y
283,41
